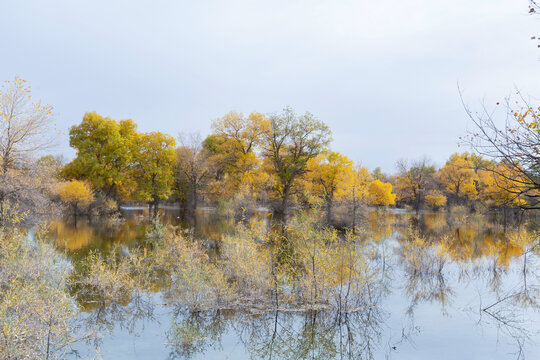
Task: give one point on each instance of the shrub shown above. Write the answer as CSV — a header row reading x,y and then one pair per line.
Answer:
x,y
76,193
36,311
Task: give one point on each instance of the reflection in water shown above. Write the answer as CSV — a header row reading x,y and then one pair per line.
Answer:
x,y
82,234
280,335
431,264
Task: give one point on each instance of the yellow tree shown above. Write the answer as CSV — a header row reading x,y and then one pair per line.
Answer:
x,y
503,185
234,148
153,170
328,176
414,182
380,193
435,199
515,143
458,177
75,193
24,124
356,190
245,133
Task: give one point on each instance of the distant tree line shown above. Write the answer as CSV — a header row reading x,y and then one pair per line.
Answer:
x,y
280,160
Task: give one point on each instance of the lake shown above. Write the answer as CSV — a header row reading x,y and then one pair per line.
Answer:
x,y
468,290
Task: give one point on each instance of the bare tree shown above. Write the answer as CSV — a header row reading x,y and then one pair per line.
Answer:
x,y
193,168
414,181
24,131
24,124
514,142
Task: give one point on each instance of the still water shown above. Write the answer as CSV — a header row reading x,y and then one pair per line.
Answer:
x,y
478,300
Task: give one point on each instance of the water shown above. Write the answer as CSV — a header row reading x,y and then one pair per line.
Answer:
x,y
483,304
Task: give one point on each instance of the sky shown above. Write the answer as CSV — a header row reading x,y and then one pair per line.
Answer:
x,y
383,75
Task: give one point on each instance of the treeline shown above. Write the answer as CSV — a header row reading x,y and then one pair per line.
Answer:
x,y
282,161
466,179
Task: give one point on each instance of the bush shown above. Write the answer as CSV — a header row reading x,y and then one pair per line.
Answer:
x,y
36,311
75,193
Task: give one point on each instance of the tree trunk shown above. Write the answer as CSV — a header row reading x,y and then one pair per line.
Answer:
x,y
329,205
354,216
285,204
195,200
156,203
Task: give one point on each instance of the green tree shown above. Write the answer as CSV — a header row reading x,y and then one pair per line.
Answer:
x,y
105,151
291,141
377,174
153,168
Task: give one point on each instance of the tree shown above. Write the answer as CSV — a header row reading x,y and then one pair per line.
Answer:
x,y
435,199
192,168
377,174
24,131
458,177
245,133
75,193
356,191
515,145
413,182
153,169
105,153
380,193
328,174
291,141
503,185
235,148
24,124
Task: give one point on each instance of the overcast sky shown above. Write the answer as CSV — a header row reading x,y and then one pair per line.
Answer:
x,y
382,74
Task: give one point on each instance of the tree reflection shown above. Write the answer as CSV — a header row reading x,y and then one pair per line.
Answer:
x,y
106,317
281,335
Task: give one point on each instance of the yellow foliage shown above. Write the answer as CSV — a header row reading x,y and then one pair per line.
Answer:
x,y
76,193
413,182
502,184
358,180
243,133
435,199
380,193
458,177
329,174
234,152
155,160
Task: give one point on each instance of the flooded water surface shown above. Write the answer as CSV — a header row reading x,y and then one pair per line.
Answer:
x,y
461,288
